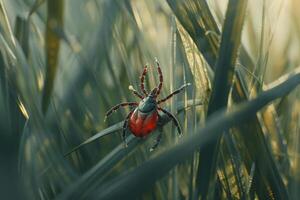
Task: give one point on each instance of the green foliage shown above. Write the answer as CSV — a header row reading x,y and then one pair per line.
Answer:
x,y
63,64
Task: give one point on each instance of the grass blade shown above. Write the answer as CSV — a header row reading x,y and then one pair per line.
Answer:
x,y
6,29
223,80
194,25
22,34
35,6
54,23
118,126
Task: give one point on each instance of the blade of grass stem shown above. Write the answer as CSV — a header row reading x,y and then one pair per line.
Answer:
x,y
22,34
118,126
54,22
223,80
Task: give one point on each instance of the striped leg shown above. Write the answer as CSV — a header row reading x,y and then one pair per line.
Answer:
x,y
125,126
173,93
113,109
143,79
173,118
160,78
157,140
136,93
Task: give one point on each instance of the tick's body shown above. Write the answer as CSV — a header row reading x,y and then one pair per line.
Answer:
x,y
144,118
141,124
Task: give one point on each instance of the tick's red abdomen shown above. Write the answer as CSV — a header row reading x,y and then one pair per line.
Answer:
x,y
141,124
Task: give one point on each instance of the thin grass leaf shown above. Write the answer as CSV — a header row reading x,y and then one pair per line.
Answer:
x,y
230,42
94,56
6,29
35,6
107,131
224,177
118,126
22,34
17,69
294,183
54,22
236,164
173,84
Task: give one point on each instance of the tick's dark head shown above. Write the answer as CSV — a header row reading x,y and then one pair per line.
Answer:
x,y
147,105
153,93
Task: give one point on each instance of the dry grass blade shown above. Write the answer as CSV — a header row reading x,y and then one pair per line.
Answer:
x,y
196,63
54,23
197,26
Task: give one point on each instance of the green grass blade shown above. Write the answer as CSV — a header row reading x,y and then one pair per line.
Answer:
x,y
6,29
54,22
22,34
224,71
107,131
118,126
35,6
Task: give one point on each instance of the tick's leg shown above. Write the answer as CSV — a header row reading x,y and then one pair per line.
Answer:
x,y
116,107
125,126
160,78
143,79
136,93
157,140
173,93
173,118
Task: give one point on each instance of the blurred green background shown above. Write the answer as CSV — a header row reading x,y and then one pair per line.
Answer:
x,y
64,63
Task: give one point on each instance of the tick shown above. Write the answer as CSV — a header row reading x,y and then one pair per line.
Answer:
x,y
145,116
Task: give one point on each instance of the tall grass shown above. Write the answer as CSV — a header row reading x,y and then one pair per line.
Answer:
x,y
63,64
